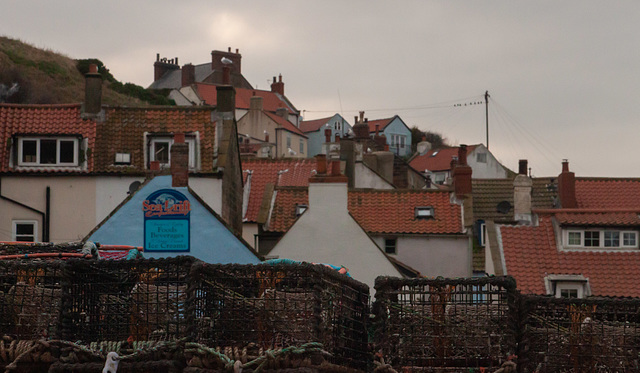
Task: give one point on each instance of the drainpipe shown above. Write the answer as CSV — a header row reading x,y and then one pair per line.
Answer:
x,y
45,220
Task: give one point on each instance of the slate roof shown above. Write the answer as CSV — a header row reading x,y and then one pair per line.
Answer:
x,y
488,193
173,79
124,129
271,101
43,120
530,254
280,172
313,125
441,161
378,212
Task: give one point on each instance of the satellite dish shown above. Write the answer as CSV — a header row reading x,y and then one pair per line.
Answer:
x,y
504,207
133,187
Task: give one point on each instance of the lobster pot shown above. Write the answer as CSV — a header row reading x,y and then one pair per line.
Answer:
x,y
276,306
30,298
450,324
578,335
143,300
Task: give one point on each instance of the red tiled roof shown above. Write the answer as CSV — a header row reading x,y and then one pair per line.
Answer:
x,y
382,123
271,101
284,123
388,211
601,218
298,172
124,128
313,125
608,193
440,162
531,253
43,120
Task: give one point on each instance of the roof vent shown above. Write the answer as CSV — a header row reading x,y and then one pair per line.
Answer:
x,y
504,207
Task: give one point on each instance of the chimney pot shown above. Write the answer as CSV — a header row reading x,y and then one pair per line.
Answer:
x,y
93,68
522,167
229,49
567,187
237,50
565,165
462,155
157,57
355,119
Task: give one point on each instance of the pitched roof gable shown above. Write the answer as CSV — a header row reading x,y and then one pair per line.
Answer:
x,y
313,125
43,120
284,124
381,123
389,211
281,172
437,159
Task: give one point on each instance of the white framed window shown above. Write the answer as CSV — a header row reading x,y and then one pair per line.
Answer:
x,y
481,157
160,150
301,146
600,238
123,158
24,231
424,212
569,290
483,234
288,140
48,151
440,177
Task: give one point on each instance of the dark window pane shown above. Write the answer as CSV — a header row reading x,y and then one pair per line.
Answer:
x,y
592,239
390,245
48,151
29,151
161,151
24,229
67,151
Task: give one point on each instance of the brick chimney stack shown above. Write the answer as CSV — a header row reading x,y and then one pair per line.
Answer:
x,y
179,161
163,66
462,174
567,187
93,91
236,59
278,87
188,74
361,127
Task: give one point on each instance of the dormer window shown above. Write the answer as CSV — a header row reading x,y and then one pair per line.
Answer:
x,y
160,150
48,151
600,238
424,212
567,286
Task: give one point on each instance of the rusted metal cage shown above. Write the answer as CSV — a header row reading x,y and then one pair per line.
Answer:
x,y
273,306
581,335
451,324
136,300
31,299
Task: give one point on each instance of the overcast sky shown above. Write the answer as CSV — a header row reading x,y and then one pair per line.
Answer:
x,y
563,76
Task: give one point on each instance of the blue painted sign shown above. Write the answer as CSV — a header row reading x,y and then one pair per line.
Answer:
x,y
166,221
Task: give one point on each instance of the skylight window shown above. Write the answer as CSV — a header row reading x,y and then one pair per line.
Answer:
x,y
424,212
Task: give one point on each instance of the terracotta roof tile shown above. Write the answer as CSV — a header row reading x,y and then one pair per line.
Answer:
x,y
123,131
381,123
531,253
280,172
43,120
366,207
437,159
271,101
601,218
608,193
487,193
313,125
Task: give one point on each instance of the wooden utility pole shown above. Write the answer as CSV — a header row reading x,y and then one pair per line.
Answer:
x,y
486,105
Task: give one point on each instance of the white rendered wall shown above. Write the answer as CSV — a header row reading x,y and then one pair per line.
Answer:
x,y
366,178
110,192
326,233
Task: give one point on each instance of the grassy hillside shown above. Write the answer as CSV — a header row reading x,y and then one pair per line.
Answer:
x,y
44,77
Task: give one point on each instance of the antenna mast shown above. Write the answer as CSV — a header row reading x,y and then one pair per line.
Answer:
x,y
486,105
